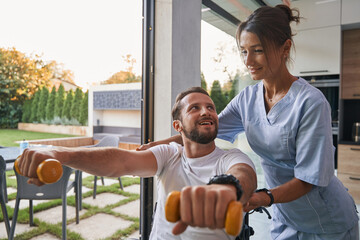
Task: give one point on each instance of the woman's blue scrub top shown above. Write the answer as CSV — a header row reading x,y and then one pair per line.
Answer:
x,y
294,140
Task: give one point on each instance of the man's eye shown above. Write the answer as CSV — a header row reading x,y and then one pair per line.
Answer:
x,y
211,107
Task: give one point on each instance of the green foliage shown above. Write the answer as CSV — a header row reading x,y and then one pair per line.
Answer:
x,y
41,113
26,111
217,96
76,104
34,107
51,105
59,101
20,76
84,110
67,105
203,82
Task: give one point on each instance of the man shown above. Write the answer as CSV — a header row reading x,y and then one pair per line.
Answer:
x,y
185,168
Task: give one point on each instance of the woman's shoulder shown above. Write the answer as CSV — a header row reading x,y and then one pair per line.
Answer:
x,y
308,93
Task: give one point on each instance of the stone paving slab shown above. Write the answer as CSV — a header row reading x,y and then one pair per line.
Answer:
x,y
104,199
45,236
20,228
132,209
99,226
135,235
54,215
135,188
11,190
24,203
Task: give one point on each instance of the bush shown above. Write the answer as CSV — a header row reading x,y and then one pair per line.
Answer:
x,y
59,101
84,110
76,104
51,105
26,111
41,113
34,107
67,106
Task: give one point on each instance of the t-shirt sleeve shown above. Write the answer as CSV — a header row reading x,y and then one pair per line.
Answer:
x,y
314,146
235,156
230,121
164,153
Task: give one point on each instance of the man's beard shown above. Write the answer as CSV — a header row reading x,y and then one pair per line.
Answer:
x,y
202,138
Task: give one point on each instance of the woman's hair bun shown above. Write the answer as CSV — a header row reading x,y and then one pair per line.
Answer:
x,y
291,13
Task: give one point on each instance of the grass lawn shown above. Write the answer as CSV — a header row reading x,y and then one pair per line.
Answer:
x,y
8,137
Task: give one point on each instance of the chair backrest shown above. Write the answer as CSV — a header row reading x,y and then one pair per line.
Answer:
x,y
47,191
108,141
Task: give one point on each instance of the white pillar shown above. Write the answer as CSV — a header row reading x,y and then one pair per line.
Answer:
x,y
177,57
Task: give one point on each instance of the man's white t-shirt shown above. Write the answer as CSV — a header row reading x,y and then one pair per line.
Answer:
x,y
176,171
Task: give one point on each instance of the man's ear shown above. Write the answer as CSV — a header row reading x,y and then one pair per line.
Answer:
x,y
177,125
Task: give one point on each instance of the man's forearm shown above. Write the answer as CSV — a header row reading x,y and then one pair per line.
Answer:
x,y
247,178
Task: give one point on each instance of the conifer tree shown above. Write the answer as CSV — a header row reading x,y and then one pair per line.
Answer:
x,y
76,104
84,110
59,101
67,105
217,96
41,113
51,105
25,118
34,107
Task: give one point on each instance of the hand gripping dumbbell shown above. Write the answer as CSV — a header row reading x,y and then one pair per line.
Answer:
x,y
233,220
48,171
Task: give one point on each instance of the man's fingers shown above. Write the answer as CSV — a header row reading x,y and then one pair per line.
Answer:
x,y
35,181
198,203
179,228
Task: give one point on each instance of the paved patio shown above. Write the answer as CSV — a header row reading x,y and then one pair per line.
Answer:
x,y
102,225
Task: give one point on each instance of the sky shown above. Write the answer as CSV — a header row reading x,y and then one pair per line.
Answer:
x,y
90,37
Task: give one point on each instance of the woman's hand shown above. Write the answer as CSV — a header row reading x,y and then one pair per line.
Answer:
x,y
146,146
257,200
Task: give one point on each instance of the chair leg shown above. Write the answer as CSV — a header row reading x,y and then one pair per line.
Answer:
x,y
5,214
64,203
95,185
14,218
121,186
102,181
31,213
77,202
5,190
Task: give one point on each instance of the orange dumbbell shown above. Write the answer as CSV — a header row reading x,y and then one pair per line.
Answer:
x,y
233,220
48,171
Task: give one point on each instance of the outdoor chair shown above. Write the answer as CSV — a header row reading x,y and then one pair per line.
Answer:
x,y
107,141
48,191
2,194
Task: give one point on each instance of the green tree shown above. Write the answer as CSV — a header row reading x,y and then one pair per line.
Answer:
x,y
76,104
127,76
217,96
34,107
20,76
203,82
50,107
67,105
44,95
26,111
59,101
84,110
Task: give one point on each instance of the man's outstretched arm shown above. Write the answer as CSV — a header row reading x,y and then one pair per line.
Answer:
x,y
111,162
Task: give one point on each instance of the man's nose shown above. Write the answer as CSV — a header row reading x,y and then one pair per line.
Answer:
x,y
204,111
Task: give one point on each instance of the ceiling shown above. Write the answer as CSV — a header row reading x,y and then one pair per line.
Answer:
x,y
227,14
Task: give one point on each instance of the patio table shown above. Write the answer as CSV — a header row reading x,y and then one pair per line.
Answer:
x,y
9,154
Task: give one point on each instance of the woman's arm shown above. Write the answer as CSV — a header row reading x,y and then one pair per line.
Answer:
x,y
176,138
286,192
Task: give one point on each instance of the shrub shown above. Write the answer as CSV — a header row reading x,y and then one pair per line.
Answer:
x,y
84,110
34,107
76,103
51,105
67,105
41,113
59,101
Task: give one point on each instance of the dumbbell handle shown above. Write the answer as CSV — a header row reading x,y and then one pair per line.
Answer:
x,y
48,171
233,220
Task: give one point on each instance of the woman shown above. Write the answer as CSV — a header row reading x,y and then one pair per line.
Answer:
x,y
287,122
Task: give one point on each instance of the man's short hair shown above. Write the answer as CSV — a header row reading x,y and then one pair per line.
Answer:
x,y
178,106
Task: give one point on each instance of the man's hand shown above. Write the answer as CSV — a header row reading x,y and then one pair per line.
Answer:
x,y
29,162
204,206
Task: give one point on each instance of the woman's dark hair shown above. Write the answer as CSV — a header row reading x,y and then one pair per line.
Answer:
x,y
271,25
178,106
